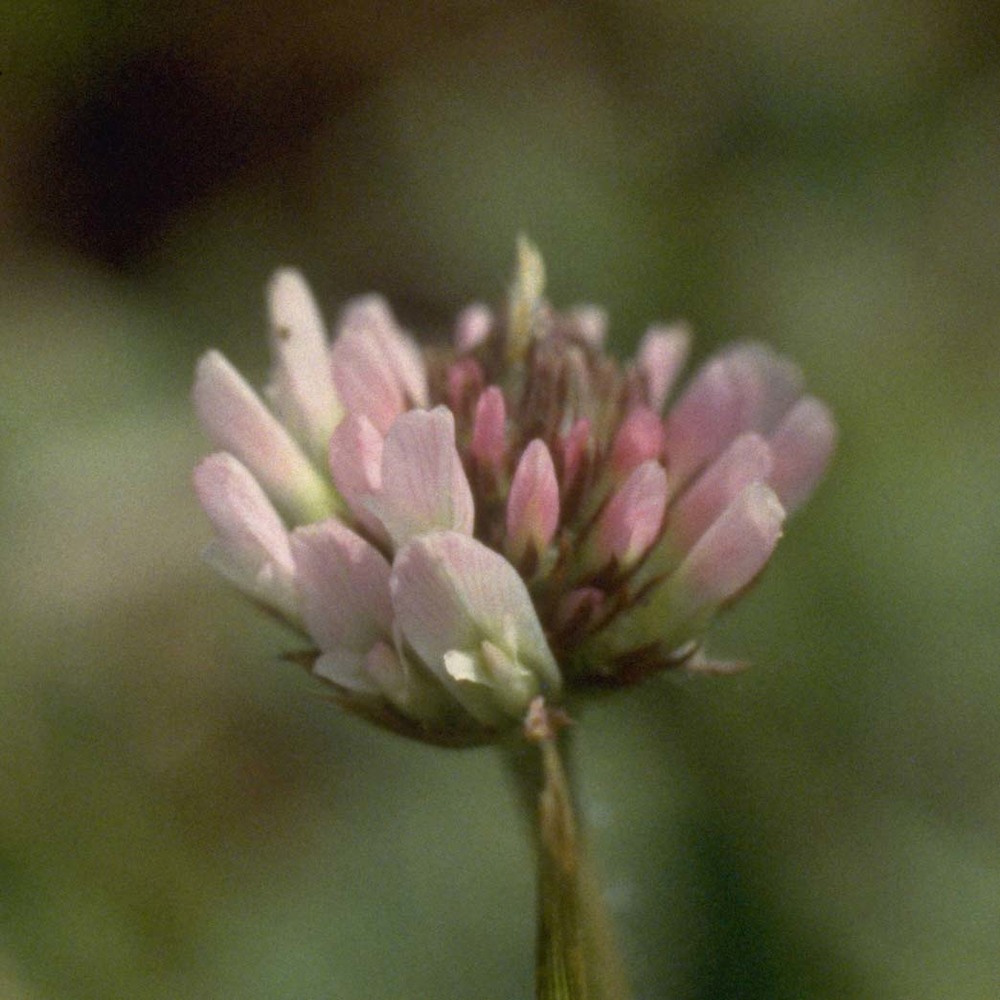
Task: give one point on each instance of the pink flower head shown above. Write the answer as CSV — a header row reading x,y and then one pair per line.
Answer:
x,y
458,535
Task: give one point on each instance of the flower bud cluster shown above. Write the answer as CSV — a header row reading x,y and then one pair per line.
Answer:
x,y
459,532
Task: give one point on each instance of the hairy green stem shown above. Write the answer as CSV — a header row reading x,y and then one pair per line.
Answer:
x,y
576,955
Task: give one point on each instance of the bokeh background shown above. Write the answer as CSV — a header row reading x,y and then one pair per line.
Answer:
x,y
180,815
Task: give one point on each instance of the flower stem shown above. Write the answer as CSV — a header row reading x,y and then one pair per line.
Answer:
x,y
576,955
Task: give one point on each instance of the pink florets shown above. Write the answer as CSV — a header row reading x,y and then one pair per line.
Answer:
x,y
458,533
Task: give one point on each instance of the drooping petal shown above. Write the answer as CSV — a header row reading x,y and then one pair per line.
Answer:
x,y
356,468
343,589
726,558
424,487
237,421
377,370
803,445
472,327
662,354
533,502
450,593
633,517
301,388
748,459
251,548
639,438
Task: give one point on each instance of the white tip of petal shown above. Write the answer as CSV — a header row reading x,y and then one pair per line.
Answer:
x,y
591,323
301,388
472,327
662,354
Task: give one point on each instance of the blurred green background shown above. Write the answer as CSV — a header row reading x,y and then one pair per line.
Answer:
x,y
180,816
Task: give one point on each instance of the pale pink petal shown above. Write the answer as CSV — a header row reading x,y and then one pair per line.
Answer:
x,y
748,388
450,593
414,693
803,444
356,468
591,322
702,422
661,356
251,547
633,517
639,438
238,422
748,459
489,429
377,370
472,327
301,388
769,384
533,502
726,558
424,487
343,588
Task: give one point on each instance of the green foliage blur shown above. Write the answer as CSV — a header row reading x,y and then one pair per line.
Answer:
x,y
181,816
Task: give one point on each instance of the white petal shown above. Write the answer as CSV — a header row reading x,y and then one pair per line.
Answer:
x,y
450,592
251,548
238,422
377,370
343,587
424,487
301,388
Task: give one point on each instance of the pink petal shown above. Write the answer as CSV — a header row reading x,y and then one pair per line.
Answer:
x,y
533,502
251,547
343,588
746,389
472,327
662,354
465,384
639,438
424,487
727,557
301,389
803,445
748,459
633,517
356,468
450,593
238,422
489,429
377,370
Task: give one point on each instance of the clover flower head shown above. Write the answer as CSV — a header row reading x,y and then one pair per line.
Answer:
x,y
458,532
